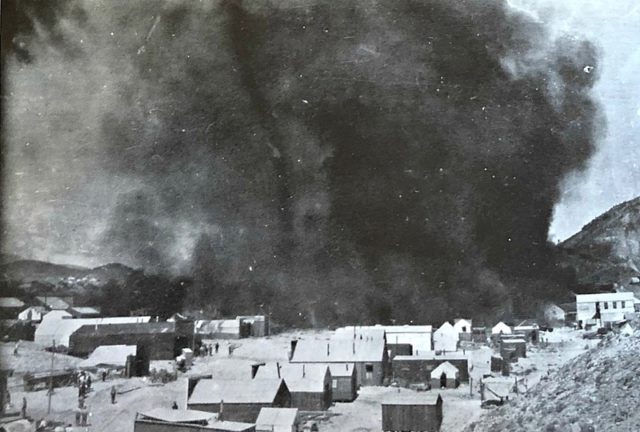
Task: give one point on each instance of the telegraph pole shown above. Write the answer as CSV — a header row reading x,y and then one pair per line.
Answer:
x,y
53,353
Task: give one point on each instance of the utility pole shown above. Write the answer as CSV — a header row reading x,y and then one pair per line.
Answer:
x,y
53,353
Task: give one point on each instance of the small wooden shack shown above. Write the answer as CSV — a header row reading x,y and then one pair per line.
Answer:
x,y
239,400
418,412
445,375
278,420
309,383
344,382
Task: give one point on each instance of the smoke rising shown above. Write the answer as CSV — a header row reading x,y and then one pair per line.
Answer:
x,y
352,160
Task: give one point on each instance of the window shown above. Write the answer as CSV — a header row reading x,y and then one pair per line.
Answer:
x,y
334,383
615,305
606,305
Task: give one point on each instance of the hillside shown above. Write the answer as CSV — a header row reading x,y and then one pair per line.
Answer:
x,y
596,391
41,271
607,249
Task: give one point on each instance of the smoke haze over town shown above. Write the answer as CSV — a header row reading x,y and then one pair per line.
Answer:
x,y
333,150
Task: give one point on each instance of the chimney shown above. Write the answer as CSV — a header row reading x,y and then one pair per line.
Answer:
x,y
304,373
278,367
221,412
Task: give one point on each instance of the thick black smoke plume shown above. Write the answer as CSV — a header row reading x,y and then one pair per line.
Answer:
x,y
353,160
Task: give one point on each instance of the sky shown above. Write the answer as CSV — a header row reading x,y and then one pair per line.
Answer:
x,y
58,184
612,174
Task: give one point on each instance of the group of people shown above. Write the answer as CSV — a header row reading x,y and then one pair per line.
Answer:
x,y
207,349
84,384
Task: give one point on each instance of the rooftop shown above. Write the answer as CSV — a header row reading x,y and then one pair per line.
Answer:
x,y
590,298
209,391
102,329
300,377
11,302
178,416
109,355
53,302
446,368
277,417
339,350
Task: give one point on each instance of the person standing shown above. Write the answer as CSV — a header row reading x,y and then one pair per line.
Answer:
x,y
217,347
24,407
113,394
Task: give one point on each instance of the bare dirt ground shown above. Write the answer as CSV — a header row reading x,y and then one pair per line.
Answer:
x,y
461,405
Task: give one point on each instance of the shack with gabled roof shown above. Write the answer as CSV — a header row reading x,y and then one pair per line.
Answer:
x,y
308,383
239,400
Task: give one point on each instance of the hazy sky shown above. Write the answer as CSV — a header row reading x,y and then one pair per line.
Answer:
x,y
613,174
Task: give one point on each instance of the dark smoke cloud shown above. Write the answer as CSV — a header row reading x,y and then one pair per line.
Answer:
x,y
362,159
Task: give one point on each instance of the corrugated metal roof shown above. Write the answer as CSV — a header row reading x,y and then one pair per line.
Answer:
x,y
178,416
283,417
339,350
11,302
300,377
209,391
446,368
109,355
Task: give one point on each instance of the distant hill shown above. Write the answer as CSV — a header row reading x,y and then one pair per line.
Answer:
x,y
607,249
41,271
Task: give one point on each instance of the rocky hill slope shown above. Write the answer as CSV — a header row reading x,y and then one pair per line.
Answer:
x,y
607,249
595,392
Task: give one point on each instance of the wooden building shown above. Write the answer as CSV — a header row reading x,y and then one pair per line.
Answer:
x,y
309,383
409,370
344,382
445,375
418,412
278,420
600,309
159,340
170,420
368,354
239,400
445,339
